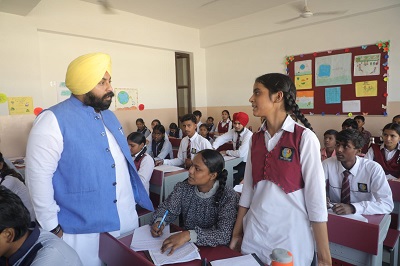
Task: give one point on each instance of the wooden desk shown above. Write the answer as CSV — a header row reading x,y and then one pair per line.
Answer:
x,y
395,186
356,242
117,252
229,164
164,183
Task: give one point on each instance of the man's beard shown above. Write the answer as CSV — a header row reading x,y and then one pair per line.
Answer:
x,y
99,104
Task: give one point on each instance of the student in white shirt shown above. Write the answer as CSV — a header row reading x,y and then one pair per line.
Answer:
x,y
205,133
159,146
141,127
144,163
174,131
283,198
240,136
368,190
225,124
198,115
197,143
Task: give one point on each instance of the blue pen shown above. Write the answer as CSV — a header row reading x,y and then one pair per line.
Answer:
x,y
163,219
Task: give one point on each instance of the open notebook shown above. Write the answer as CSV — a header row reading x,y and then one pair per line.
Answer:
x,y
143,240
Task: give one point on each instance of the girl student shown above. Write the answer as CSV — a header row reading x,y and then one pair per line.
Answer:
x,y
14,181
174,131
388,153
205,133
141,127
207,206
159,147
143,162
225,124
283,202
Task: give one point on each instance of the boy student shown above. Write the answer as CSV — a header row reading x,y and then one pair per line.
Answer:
x,y
21,244
190,145
240,136
396,119
354,184
366,134
349,123
329,143
198,114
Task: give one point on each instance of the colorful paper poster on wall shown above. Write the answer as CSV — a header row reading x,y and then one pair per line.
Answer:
x,y
126,99
303,74
367,88
351,106
333,70
367,65
63,92
332,95
20,105
305,99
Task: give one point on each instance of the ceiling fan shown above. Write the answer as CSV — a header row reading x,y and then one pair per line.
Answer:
x,y
305,12
106,6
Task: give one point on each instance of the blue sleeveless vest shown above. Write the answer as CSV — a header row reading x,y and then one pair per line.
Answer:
x,y
84,181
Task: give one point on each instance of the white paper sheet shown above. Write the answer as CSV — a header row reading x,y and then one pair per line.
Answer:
x,y
227,158
357,217
187,252
143,240
351,106
238,188
168,168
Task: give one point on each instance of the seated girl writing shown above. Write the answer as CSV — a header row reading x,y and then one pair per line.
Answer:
x,y
207,206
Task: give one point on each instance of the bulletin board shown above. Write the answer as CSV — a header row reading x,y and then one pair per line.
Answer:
x,y
347,81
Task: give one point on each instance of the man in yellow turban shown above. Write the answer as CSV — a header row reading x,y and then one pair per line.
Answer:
x,y
78,166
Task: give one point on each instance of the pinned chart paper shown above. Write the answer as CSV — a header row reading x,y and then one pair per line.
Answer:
x,y
367,65
351,106
303,74
332,95
126,99
333,70
367,88
305,99
20,105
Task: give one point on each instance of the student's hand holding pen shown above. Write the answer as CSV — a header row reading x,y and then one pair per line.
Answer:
x,y
157,230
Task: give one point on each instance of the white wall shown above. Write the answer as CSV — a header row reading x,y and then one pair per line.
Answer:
x,y
36,50
234,59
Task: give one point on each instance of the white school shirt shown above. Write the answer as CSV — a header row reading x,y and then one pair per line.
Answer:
x,y
145,170
16,186
223,124
44,148
276,219
197,143
370,192
165,151
231,135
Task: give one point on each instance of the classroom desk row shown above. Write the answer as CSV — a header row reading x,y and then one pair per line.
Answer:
x,y
163,183
351,241
117,252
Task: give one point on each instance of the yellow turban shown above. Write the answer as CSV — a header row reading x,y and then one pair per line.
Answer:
x,y
86,71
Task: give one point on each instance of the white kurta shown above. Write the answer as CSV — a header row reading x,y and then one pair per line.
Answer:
x,y
279,220
40,166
